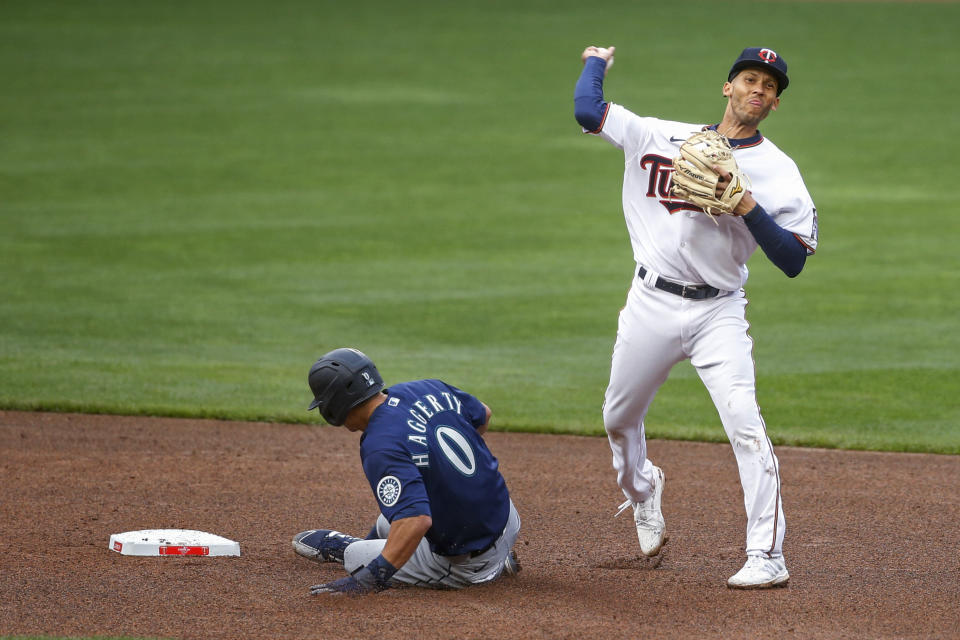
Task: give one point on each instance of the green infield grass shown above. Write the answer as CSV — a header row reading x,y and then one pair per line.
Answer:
x,y
197,199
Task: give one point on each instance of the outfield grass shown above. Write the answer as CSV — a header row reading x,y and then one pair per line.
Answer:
x,y
195,203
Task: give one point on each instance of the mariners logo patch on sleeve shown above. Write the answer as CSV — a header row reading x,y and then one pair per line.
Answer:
x,y
388,490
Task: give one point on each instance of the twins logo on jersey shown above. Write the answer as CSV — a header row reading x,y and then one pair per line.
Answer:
x,y
661,170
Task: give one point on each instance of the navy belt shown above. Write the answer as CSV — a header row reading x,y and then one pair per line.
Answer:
x,y
689,291
480,552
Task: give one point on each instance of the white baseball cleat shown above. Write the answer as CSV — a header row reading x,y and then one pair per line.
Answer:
x,y
760,573
648,518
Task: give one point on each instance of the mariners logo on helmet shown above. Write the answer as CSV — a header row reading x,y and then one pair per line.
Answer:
x,y
388,490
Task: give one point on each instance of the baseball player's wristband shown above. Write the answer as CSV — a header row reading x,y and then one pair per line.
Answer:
x,y
377,574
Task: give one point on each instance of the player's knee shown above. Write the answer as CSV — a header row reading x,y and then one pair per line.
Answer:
x,y
618,418
360,554
741,417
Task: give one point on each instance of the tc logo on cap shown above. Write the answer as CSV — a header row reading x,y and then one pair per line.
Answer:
x,y
768,55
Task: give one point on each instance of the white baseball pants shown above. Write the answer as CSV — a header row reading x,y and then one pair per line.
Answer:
x,y
657,330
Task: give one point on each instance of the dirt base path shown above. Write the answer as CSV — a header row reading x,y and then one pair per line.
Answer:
x,y
873,539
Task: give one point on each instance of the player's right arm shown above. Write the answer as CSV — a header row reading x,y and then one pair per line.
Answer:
x,y
405,534
402,498
589,107
612,122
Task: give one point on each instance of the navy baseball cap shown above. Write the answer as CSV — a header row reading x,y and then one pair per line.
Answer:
x,y
766,59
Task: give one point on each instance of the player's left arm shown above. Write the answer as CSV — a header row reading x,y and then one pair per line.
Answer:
x,y
482,429
780,246
476,412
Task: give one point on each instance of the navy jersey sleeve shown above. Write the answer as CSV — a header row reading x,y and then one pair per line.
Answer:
x,y
782,247
396,483
589,108
472,409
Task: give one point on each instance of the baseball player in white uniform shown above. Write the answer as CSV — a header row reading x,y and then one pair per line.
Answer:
x,y
687,299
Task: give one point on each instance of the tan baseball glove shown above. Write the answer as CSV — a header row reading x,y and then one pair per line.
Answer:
x,y
694,179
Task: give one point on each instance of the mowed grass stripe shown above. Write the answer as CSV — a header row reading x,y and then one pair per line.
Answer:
x,y
195,204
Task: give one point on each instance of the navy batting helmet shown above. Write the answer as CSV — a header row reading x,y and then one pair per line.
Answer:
x,y
341,380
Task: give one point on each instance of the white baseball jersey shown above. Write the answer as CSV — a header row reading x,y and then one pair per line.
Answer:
x,y
676,239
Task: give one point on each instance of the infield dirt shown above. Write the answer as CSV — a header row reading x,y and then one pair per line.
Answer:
x,y
872,542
